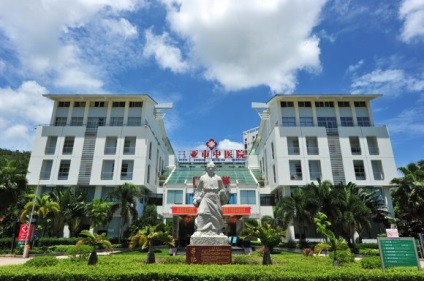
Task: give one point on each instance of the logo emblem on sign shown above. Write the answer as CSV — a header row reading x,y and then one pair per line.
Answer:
x,y
211,144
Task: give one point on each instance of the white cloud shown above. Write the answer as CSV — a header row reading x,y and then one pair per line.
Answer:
x,y
162,49
412,14
121,27
390,82
257,43
2,66
227,144
39,29
408,123
353,68
22,108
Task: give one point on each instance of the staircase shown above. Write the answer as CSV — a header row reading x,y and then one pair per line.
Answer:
x,y
87,156
335,156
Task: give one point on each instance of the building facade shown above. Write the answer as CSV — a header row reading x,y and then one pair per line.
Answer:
x,y
101,141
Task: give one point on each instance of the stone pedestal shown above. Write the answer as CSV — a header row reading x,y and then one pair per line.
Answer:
x,y
202,254
209,240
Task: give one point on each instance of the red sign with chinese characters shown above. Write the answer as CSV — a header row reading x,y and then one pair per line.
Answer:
x,y
226,210
25,231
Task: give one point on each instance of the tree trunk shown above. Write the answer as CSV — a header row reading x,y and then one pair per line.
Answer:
x,y
93,258
151,255
266,260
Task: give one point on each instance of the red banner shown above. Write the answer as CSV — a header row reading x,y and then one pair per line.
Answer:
x,y
226,210
25,231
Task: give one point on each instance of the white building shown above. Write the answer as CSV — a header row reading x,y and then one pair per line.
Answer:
x,y
102,141
331,137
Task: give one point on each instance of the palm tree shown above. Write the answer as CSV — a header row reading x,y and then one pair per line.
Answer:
x,y
294,209
268,235
408,198
99,212
95,240
146,237
125,196
42,207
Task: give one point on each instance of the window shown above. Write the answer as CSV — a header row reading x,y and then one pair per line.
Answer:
x,y
64,104
148,173
189,198
328,122
314,169
46,169
267,200
324,104
295,170
51,145
377,169
60,121
79,104
293,145
372,145
346,121
306,122
312,145
289,122
343,104
272,150
360,104
174,197
68,145
94,122
287,104
355,146
110,145
304,104
248,197
64,167
358,166
363,121
129,146
107,169
134,121
136,104
116,121
97,104
150,151
77,121
155,199
118,104
233,198
127,169
274,173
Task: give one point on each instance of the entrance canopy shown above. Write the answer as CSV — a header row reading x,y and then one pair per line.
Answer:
x,y
226,210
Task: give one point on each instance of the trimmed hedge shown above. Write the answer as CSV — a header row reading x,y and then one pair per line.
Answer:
x,y
131,266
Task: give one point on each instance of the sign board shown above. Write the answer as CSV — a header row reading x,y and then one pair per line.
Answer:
x,y
398,252
422,242
25,231
226,210
392,232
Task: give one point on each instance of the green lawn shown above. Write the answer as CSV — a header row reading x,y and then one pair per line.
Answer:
x,y
132,266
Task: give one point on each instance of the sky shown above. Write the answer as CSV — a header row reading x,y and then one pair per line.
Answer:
x,y
212,59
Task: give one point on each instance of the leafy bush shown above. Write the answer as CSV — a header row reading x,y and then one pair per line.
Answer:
x,y
367,246
5,243
321,247
245,259
343,256
56,241
369,252
371,263
42,261
172,260
79,253
291,244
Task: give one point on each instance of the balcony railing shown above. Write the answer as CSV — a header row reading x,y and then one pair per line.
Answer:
x,y
378,176
293,150
106,175
312,150
126,175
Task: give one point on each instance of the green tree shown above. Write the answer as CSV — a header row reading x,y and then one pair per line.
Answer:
x,y
99,212
42,207
408,199
124,199
150,216
95,240
293,209
269,236
146,237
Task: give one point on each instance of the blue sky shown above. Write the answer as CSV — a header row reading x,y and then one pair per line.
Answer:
x,y
212,59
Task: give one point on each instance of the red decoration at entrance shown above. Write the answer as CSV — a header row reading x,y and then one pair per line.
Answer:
x,y
226,210
234,219
187,219
25,231
225,180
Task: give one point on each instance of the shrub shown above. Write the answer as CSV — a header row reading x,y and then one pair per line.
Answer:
x,y
79,253
308,252
343,256
291,244
369,252
367,246
5,243
42,261
56,241
321,247
371,263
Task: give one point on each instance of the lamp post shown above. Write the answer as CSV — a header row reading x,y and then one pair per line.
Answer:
x,y
26,247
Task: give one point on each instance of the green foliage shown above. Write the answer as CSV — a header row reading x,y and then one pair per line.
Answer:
x,y
79,253
5,242
371,263
42,261
130,266
52,241
321,247
369,252
94,239
308,252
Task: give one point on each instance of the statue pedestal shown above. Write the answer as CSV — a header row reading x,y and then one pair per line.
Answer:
x,y
203,254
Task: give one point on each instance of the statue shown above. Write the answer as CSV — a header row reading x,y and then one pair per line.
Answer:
x,y
209,196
